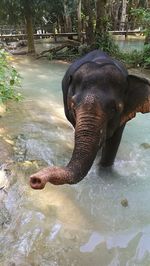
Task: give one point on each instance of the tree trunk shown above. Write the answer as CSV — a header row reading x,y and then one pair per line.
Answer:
x,y
148,3
89,27
67,19
115,15
79,20
29,26
100,16
59,24
123,15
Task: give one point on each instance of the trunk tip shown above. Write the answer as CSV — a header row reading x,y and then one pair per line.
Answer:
x,y
36,182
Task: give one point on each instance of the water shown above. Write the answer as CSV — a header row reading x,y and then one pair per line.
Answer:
x,y
130,44
83,224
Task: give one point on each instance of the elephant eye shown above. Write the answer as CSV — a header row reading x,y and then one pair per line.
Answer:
x,y
113,111
116,108
113,107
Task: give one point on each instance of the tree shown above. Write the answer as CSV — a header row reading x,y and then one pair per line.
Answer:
x,y
101,19
79,28
67,18
10,12
27,10
20,11
88,6
123,15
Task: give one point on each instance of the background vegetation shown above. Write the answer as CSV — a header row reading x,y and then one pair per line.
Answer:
x,y
94,17
9,80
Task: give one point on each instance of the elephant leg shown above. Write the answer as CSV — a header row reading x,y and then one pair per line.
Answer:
x,y
110,148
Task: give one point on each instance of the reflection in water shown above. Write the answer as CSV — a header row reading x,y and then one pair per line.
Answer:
x,y
83,224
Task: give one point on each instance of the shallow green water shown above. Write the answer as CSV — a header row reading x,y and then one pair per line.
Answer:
x,y
83,224
130,44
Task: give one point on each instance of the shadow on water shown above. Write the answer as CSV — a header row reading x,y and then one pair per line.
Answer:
x,y
83,224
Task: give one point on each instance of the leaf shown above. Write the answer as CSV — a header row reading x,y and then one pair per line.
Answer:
x,y
12,82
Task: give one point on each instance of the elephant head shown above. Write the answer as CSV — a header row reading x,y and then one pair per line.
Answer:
x,y
99,98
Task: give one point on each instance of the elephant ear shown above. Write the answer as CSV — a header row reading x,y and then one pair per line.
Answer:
x,y
137,98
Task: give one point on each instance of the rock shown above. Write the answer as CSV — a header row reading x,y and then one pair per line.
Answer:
x,y
21,43
4,182
5,151
124,202
5,217
145,145
20,148
2,109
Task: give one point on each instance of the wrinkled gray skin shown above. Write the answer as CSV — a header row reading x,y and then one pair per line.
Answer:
x,y
99,98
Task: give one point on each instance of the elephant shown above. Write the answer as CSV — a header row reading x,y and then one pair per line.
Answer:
x,y
100,97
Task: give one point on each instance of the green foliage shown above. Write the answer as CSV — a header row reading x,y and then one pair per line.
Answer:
x,y
138,14
10,12
142,16
136,58
50,56
83,49
146,55
9,80
103,39
105,42
133,58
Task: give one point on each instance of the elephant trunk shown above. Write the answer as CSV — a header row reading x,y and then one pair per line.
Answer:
x,y
89,136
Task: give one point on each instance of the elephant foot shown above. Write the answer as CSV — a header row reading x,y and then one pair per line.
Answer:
x,y
106,164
